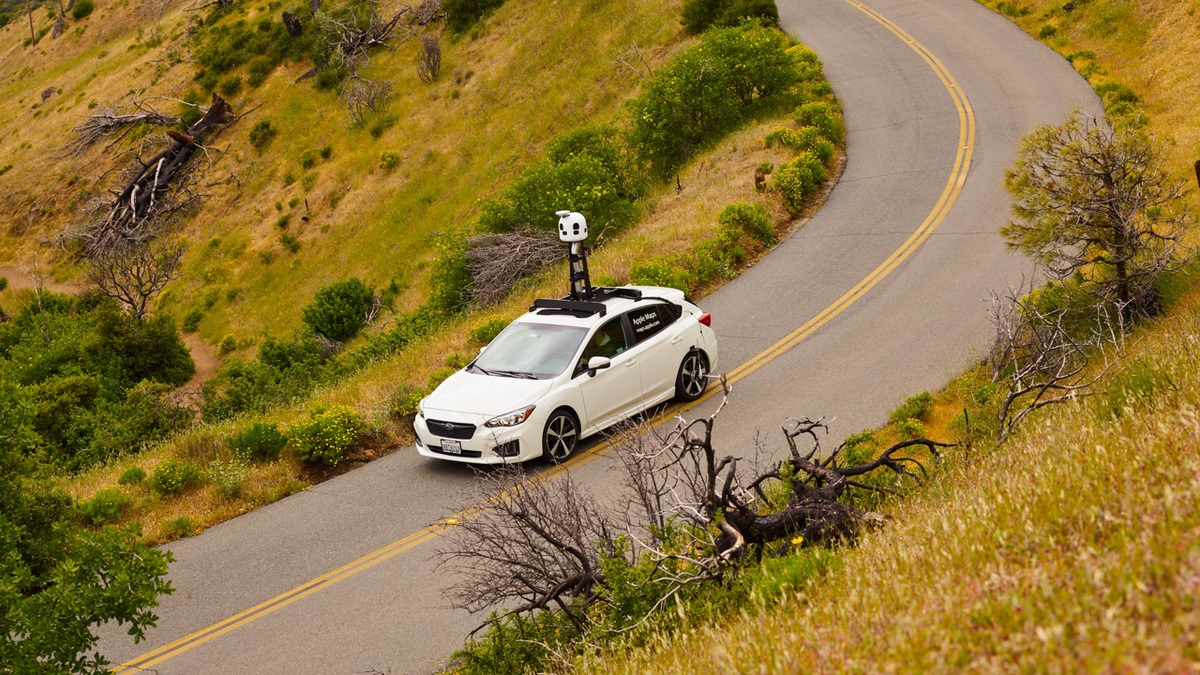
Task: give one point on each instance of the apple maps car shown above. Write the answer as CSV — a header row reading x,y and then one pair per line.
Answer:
x,y
566,370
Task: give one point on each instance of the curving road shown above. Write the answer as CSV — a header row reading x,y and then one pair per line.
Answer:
x,y
886,283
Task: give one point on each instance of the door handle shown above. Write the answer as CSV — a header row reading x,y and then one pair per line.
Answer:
x,y
630,363
677,340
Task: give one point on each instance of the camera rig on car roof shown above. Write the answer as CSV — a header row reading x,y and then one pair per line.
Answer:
x,y
584,299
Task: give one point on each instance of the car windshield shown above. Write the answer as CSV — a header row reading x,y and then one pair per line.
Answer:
x,y
530,349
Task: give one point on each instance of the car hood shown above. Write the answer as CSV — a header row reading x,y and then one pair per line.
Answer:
x,y
488,395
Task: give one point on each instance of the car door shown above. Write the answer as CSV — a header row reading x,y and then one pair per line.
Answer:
x,y
613,390
659,347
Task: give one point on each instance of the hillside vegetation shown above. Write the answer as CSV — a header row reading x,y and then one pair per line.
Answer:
x,y
1073,546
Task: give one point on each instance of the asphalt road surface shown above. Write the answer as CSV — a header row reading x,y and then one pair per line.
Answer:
x,y
879,296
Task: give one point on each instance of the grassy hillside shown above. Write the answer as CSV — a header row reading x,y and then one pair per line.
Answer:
x,y
1073,547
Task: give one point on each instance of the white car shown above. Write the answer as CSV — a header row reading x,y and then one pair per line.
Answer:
x,y
567,370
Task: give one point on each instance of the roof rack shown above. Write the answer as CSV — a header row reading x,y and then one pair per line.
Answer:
x,y
584,308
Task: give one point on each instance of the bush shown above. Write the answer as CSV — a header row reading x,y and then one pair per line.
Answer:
x,y
3,283
404,404
191,320
132,476
82,9
1046,31
291,242
822,117
798,179
449,278
227,475
339,310
105,506
173,477
150,349
230,86
665,272
487,332
461,15
179,527
698,15
261,134
915,407
751,219
3,19
388,161
325,436
259,69
703,92
262,441
227,346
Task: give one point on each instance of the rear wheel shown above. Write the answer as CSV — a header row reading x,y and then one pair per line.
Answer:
x,y
692,379
561,435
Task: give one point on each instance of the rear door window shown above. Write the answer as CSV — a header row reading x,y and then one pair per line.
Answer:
x,y
647,322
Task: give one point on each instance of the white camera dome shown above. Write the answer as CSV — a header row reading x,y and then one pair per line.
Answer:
x,y
572,226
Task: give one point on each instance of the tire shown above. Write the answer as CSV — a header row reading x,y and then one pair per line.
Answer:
x,y
560,436
692,380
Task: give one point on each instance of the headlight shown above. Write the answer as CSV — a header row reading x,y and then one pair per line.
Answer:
x,y
511,419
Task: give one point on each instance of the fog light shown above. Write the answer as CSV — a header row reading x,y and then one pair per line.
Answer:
x,y
509,449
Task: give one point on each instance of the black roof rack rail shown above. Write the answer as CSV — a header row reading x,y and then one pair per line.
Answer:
x,y
610,292
575,307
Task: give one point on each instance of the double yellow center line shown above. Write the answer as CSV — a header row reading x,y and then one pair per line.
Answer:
x,y
958,176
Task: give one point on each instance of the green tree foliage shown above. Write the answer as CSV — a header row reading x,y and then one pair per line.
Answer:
x,y
325,435
461,15
1093,201
97,377
222,47
82,9
339,310
588,170
706,91
59,581
699,15
449,278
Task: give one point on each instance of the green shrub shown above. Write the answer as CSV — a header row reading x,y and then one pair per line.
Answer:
x,y
230,86
404,404
3,283
3,19
388,161
105,506
1046,31
698,15
227,476
326,152
449,279
308,180
228,345
859,448
329,78
382,123
261,134
665,272
179,527
798,179
149,349
589,168
909,428
309,159
823,118
191,320
290,241
283,221
82,9
461,15
173,476
258,71
487,332
326,434
338,311
702,93
132,476
915,407
751,219
261,441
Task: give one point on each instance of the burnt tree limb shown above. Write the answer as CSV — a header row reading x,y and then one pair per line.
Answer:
x,y
132,213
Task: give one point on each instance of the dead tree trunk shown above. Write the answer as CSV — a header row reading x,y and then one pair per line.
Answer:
x,y
136,207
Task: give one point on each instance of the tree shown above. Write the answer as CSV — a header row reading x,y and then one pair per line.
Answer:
x,y
1097,201
58,581
134,273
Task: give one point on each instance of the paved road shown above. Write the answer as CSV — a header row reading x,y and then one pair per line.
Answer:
x,y
327,609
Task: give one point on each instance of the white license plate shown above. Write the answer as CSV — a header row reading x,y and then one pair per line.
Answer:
x,y
452,447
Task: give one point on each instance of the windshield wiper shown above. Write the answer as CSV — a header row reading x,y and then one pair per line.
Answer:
x,y
515,373
481,369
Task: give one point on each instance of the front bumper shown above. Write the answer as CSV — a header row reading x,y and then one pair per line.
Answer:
x,y
481,447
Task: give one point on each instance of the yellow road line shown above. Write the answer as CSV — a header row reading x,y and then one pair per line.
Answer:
x,y
958,176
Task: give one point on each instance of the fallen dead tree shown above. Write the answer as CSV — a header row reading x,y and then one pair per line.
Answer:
x,y
497,262
686,516
113,123
153,190
350,36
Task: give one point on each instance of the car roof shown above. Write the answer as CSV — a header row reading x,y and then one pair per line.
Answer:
x,y
615,305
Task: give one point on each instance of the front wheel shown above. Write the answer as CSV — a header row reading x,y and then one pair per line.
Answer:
x,y
692,379
560,436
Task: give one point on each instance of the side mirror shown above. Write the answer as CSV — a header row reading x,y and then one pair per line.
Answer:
x,y
482,348
597,363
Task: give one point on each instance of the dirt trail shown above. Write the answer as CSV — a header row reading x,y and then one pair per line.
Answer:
x,y
207,362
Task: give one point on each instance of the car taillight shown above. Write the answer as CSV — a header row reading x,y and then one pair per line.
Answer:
x,y
706,319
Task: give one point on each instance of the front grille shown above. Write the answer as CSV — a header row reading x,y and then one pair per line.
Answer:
x,y
458,430
465,453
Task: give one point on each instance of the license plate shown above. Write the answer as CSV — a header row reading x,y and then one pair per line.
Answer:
x,y
452,447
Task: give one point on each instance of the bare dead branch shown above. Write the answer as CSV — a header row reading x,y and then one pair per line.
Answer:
x,y
498,261
134,274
